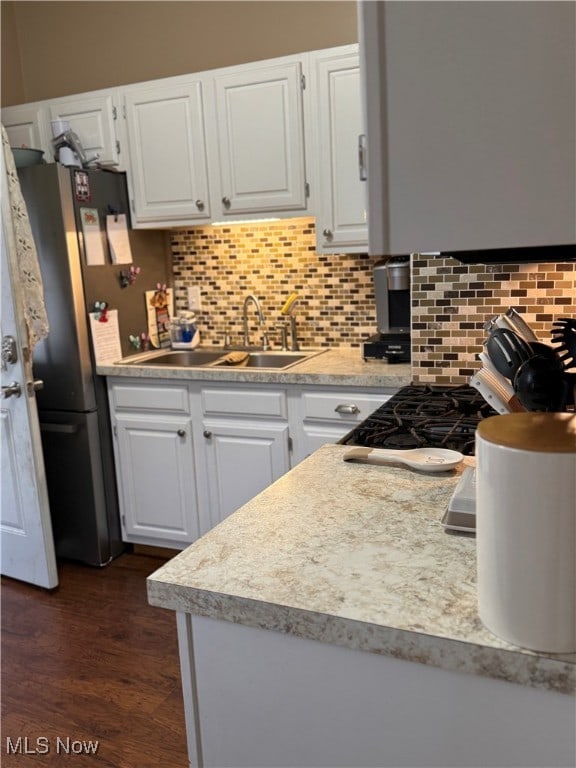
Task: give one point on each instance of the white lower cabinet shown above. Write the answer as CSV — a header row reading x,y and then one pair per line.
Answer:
x,y
158,498
154,458
188,454
325,415
241,459
243,447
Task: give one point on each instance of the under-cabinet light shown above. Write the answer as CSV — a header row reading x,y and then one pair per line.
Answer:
x,y
242,221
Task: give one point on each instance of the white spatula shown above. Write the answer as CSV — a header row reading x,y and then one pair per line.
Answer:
x,y
424,459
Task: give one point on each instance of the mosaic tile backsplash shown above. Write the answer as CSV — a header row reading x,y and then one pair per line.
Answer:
x,y
271,260
450,301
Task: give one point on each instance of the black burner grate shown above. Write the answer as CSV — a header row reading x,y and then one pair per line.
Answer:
x,y
420,416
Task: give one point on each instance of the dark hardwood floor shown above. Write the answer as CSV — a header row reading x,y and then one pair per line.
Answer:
x,y
90,661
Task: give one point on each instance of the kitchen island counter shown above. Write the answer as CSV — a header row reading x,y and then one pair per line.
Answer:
x,y
340,366
354,555
331,621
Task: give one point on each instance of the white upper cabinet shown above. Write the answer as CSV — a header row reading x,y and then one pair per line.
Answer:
x,y
471,124
168,174
341,222
27,126
93,118
256,139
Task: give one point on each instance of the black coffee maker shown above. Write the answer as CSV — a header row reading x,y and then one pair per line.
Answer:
x,y
392,292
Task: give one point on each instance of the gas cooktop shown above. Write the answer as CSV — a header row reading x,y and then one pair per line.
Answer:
x,y
424,416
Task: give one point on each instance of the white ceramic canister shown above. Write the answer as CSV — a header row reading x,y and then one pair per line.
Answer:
x,y
526,529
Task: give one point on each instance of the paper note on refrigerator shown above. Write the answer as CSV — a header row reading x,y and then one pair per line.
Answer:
x,y
93,242
118,240
106,337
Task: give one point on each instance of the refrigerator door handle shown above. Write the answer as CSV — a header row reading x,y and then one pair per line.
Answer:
x,y
69,429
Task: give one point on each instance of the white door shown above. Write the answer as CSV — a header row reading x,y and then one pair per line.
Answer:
x,y
27,544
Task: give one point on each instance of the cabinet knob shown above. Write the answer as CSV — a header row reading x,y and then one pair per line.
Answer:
x,y
327,233
181,433
207,433
347,408
200,205
226,202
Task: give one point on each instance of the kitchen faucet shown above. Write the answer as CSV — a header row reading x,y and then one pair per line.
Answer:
x,y
261,321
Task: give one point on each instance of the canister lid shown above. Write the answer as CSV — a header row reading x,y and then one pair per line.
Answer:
x,y
544,432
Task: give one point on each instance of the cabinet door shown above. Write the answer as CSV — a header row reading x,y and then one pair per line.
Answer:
x,y
92,118
260,130
241,460
155,464
314,436
27,126
471,121
167,152
341,224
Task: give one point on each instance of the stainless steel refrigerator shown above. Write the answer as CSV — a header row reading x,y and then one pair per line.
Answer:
x,y
73,404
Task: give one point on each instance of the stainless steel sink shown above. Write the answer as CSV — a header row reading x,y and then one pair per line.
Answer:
x,y
275,359
200,358
188,358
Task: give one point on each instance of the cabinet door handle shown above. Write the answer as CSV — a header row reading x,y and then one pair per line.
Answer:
x,y
343,408
362,157
207,433
200,205
226,202
181,433
327,234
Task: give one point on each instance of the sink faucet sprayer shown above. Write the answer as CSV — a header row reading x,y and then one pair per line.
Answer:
x,y
261,321
287,311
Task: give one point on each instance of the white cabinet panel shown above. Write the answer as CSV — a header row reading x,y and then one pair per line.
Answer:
x,y
244,402
471,119
27,126
242,458
156,479
259,125
165,124
319,416
341,224
92,118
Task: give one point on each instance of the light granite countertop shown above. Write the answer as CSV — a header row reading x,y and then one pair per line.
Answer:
x,y
353,555
340,366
